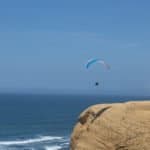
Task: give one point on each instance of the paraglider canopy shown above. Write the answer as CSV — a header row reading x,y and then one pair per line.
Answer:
x,y
93,61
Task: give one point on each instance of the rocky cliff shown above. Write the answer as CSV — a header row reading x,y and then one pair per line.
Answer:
x,y
120,126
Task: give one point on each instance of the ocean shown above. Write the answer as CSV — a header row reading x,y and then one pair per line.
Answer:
x,y
44,122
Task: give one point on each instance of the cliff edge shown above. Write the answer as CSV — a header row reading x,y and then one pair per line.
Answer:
x,y
119,126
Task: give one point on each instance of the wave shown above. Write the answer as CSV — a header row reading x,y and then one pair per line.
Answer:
x,y
31,141
53,147
13,148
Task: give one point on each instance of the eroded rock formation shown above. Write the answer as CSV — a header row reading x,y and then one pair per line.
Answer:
x,y
120,126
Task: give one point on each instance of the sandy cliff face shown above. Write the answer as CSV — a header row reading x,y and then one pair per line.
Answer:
x,y
120,126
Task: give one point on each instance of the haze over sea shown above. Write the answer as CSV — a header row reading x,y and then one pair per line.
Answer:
x,y
42,121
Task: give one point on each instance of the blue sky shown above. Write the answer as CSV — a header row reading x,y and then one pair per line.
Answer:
x,y
44,46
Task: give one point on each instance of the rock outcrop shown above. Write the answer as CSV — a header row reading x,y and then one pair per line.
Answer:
x,y
119,126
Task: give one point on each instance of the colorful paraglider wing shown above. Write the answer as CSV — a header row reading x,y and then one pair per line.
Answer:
x,y
107,66
93,61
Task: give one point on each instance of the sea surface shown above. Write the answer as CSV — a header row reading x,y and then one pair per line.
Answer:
x,y
44,122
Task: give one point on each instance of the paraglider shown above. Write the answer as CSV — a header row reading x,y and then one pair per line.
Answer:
x,y
96,83
91,62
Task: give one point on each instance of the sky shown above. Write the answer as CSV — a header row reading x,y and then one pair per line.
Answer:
x,y
44,46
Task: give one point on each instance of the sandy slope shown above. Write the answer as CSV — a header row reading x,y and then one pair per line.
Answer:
x,y
120,126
